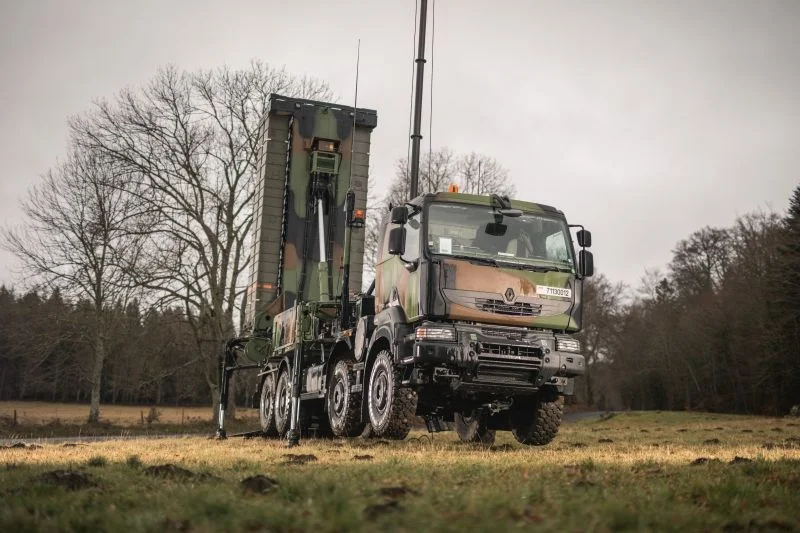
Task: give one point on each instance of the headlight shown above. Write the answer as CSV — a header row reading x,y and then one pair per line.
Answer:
x,y
435,333
567,344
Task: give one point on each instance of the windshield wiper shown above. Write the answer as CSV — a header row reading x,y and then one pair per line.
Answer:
x,y
535,268
485,260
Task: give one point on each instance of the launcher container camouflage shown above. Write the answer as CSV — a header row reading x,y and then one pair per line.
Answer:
x,y
469,321
309,152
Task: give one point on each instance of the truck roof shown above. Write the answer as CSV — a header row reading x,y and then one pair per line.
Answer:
x,y
487,201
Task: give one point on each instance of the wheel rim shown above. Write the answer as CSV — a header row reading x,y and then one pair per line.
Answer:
x,y
267,404
338,400
380,391
282,407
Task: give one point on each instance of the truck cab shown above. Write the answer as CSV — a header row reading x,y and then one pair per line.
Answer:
x,y
476,301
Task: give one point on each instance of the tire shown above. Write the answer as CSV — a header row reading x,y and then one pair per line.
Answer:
x,y
472,428
344,413
536,423
283,403
266,409
391,407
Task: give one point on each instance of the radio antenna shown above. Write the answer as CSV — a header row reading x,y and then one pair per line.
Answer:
x,y
355,106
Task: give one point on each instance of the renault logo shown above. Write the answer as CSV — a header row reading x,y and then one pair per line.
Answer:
x,y
509,294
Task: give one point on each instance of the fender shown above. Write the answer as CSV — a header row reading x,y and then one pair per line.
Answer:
x,y
390,324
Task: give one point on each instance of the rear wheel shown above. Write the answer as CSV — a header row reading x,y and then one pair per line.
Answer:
x,y
283,402
473,428
344,414
536,422
267,407
391,407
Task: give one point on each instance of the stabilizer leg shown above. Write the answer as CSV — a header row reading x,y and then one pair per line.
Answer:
x,y
225,375
293,436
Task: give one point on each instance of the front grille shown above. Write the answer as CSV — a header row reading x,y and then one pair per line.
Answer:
x,y
506,349
507,369
491,305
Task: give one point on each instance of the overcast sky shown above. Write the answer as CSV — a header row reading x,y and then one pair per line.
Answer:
x,y
642,120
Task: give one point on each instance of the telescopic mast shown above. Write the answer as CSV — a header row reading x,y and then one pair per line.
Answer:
x,y
416,136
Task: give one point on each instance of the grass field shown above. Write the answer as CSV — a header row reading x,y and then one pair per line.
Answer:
x,y
635,471
43,419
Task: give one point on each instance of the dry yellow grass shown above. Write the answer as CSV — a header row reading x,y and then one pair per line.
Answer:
x,y
39,413
632,472
636,438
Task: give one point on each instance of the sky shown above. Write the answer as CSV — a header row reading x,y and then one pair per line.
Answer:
x,y
642,120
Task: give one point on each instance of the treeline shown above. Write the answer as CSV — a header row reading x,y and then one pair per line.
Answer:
x,y
719,330
47,353
152,202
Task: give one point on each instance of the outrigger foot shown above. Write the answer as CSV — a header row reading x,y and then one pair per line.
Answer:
x,y
292,438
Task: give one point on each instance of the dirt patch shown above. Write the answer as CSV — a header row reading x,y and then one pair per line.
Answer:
x,y
363,457
703,461
169,471
605,441
299,458
397,492
258,484
21,446
171,524
69,479
372,512
758,525
682,430
712,441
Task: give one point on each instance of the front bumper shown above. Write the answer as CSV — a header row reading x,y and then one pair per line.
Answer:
x,y
484,359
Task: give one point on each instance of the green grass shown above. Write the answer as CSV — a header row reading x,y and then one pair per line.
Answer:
x,y
642,480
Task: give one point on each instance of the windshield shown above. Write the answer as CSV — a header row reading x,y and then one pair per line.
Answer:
x,y
481,232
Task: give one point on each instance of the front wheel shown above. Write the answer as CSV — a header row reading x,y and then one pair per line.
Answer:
x,y
473,428
267,407
391,407
536,422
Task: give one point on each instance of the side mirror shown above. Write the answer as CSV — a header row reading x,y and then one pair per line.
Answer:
x,y
399,215
586,260
585,238
397,240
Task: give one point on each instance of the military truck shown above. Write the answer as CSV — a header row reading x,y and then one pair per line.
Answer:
x,y
469,319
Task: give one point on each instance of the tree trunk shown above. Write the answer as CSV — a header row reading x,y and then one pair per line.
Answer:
x,y
97,373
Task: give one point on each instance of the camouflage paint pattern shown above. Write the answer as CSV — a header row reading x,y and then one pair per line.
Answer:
x,y
281,246
474,292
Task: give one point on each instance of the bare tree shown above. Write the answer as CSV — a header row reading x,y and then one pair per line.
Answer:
x,y
474,173
81,229
190,139
481,174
